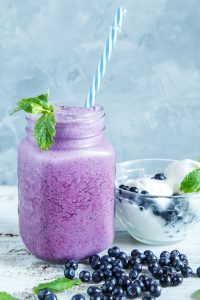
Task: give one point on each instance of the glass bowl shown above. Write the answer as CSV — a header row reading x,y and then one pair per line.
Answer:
x,y
154,220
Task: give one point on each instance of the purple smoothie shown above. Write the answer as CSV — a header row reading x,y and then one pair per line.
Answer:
x,y
66,194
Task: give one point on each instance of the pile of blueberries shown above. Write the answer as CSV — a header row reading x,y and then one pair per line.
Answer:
x,y
119,277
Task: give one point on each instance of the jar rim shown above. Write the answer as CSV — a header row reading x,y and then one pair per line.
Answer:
x,y
71,112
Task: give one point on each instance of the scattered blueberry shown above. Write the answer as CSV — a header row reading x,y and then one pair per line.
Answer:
x,y
120,297
165,280
107,273
134,189
95,297
71,264
42,293
152,266
163,261
85,276
118,291
111,280
186,271
135,252
157,272
175,252
182,257
107,288
133,274
94,257
117,263
114,251
94,290
108,297
144,192
143,278
78,297
198,271
137,267
159,176
177,279
105,266
119,273
106,259
140,283
51,297
177,264
165,254
124,281
155,289
134,260
95,263
134,291
148,297
97,276
69,273
148,282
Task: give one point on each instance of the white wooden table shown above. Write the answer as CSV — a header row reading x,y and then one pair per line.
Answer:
x,y
20,271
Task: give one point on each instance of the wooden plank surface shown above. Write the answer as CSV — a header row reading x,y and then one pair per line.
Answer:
x,y
20,271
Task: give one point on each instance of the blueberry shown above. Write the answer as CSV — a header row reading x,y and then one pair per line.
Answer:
x,y
174,258
133,274
95,263
175,194
137,267
97,276
120,297
140,283
175,252
94,290
159,176
134,291
117,263
153,265
157,272
165,280
71,264
107,288
148,282
119,273
186,271
93,258
134,189
107,273
114,251
148,297
134,260
142,258
182,257
124,187
111,280
135,252
165,254
164,262
51,297
177,264
42,293
105,266
124,281
170,271
144,192
151,258
85,276
143,278
69,273
108,297
185,262
148,253
95,297
198,271
122,255
118,291
106,259
78,297
155,290
177,279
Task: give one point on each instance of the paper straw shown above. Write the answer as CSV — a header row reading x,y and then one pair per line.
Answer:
x,y
105,57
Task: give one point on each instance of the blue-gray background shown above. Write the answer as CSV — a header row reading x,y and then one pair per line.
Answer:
x,y
151,90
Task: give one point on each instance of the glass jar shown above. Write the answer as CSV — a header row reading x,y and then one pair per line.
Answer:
x,y
66,194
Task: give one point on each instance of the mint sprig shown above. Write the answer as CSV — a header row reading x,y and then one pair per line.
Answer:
x,y
58,285
6,296
191,182
45,127
196,295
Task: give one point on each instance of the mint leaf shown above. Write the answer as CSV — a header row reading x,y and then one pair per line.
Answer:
x,y
58,285
191,182
196,295
27,104
45,130
6,296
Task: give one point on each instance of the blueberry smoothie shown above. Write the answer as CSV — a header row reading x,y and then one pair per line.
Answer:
x,y
66,194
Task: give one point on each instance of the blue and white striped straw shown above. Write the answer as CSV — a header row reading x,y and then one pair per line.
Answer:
x,y
105,57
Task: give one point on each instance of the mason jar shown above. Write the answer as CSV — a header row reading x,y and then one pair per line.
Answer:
x,y
66,194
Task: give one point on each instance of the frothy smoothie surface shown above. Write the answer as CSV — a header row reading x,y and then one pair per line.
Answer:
x,y
66,194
